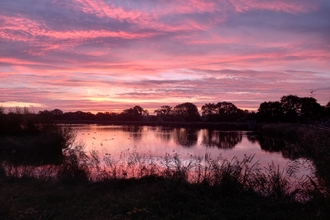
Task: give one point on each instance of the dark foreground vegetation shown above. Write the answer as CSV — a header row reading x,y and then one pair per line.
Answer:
x,y
150,197
44,174
32,139
138,187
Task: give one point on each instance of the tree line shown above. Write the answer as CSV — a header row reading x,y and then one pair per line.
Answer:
x,y
290,108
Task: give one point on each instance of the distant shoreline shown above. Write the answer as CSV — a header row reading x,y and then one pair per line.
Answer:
x,y
211,125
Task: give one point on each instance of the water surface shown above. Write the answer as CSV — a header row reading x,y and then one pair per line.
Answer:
x,y
157,141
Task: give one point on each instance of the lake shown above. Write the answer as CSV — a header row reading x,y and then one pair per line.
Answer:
x,y
157,141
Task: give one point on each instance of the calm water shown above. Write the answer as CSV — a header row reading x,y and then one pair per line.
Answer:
x,y
158,141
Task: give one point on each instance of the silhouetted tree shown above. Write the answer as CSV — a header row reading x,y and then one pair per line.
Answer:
x,y
310,109
78,115
300,109
270,112
58,114
84,115
134,114
46,115
222,111
210,111
226,108
187,112
227,111
291,107
106,116
327,110
2,110
251,115
327,105
165,112
291,102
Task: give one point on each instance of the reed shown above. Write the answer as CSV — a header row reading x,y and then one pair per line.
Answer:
x,y
228,175
167,182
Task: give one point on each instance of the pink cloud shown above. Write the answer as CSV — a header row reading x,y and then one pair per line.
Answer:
x,y
15,61
11,25
190,6
277,5
104,10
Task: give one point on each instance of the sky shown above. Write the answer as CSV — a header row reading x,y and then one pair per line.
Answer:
x,y
110,55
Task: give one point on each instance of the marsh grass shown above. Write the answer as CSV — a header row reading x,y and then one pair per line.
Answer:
x,y
232,175
88,186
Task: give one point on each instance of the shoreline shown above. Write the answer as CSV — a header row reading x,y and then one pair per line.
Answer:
x,y
210,125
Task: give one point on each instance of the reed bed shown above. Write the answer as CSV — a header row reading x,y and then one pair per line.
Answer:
x,y
229,174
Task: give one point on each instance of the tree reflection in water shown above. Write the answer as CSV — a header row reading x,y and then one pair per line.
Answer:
x,y
252,137
220,139
134,131
186,137
288,148
164,133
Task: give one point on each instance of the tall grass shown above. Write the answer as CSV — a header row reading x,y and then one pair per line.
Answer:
x,y
230,176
